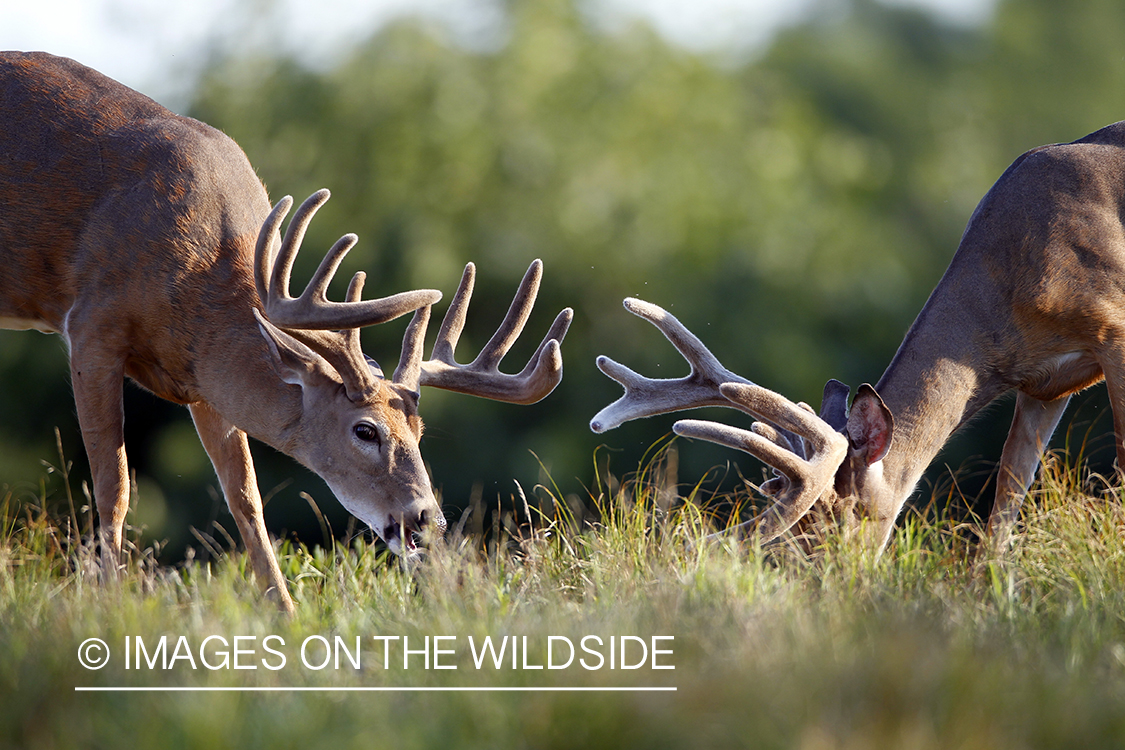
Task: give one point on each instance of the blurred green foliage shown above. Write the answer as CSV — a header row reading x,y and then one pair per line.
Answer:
x,y
793,207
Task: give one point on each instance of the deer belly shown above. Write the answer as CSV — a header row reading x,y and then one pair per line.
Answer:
x,y
25,324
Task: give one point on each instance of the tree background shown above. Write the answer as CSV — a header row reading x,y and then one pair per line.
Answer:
x,y
793,206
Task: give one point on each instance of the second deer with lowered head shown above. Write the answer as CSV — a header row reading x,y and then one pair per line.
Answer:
x,y
1033,301
147,241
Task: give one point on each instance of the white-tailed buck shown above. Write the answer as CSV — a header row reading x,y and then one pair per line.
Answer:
x,y
1033,301
147,241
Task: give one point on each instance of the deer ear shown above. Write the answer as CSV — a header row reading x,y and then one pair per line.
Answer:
x,y
295,363
870,426
834,405
376,370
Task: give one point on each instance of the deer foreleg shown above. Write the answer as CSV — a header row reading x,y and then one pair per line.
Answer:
x,y
1032,426
229,451
98,379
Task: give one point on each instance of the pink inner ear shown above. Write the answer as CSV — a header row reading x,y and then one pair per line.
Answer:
x,y
874,426
879,443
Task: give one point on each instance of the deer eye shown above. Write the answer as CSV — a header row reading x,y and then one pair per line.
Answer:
x,y
366,432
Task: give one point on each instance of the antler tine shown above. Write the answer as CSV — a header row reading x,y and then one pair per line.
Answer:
x,y
454,321
510,329
482,376
294,236
687,343
312,310
833,412
806,479
264,249
354,294
515,319
409,370
772,407
544,351
646,397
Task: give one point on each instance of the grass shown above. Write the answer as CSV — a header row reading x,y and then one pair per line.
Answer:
x,y
916,649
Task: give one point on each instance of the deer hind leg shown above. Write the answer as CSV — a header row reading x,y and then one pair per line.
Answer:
x,y
229,451
1032,426
98,378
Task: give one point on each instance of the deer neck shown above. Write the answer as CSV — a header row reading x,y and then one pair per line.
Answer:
x,y
938,380
240,381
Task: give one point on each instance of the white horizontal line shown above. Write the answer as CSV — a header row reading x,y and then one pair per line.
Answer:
x,y
81,689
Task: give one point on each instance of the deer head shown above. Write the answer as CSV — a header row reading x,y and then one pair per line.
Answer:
x,y
832,458
358,429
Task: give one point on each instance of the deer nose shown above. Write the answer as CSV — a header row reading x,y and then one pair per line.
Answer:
x,y
427,516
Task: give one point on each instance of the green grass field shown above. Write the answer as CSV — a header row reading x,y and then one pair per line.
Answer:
x,y
917,649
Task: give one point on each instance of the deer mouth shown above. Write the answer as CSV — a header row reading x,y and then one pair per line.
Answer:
x,y
400,541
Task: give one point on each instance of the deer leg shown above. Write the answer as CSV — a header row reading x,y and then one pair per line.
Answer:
x,y
1032,426
229,451
1114,369
98,381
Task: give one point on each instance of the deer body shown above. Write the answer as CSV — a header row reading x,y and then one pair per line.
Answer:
x,y
1033,301
147,241
116,217
119,216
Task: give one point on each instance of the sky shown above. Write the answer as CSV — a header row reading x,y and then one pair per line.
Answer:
x,y
156,46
